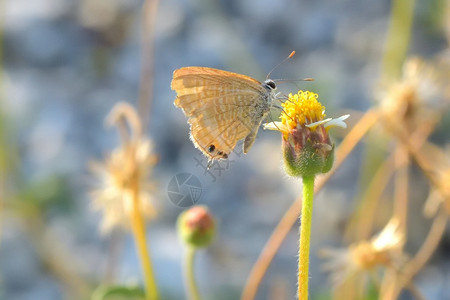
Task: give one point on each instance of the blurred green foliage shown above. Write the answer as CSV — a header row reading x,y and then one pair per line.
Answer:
x,y
118,292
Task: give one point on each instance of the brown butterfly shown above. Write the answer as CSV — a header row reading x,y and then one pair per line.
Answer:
x,y
223,107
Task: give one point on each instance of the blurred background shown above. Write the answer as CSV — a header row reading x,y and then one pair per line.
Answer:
x,y
65,63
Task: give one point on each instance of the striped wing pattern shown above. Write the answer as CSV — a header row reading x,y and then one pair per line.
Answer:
x,y
222,107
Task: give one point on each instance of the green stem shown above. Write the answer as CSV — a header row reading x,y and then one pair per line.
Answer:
x,y
398,38
190,284
138,227
305,235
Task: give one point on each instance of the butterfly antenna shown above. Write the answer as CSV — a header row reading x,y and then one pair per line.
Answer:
x,y
287,115
293,80
283,112
282,109
271,119
286,98
290,55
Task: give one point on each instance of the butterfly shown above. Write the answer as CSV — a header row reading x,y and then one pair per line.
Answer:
x,y
222,108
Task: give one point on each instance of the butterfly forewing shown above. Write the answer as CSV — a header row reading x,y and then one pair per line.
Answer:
x,y
203,76
222,107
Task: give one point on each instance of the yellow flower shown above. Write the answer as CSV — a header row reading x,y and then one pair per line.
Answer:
x,y
304,110
307,147
124,172
385,249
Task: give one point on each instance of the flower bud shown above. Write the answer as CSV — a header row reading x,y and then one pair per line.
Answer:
x,y
307,152
196,227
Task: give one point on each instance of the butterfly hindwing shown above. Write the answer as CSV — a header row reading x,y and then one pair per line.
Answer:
x,y
218,134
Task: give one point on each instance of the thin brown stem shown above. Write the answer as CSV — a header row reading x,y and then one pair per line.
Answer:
x,y
401,188
3,156
150,9
278,288
412,288
361,225
414,143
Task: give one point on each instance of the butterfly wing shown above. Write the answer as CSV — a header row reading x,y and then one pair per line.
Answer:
x,y
222,107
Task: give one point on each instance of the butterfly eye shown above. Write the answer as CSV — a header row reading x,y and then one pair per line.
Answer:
x,y
270,84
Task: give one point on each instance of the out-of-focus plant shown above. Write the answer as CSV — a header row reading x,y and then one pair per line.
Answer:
x,y
118,293
124,194
196,230
3,160
359,261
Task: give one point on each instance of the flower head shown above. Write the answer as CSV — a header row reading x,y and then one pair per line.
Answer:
x,y
385,249
196,227
125,171
419,92
307,147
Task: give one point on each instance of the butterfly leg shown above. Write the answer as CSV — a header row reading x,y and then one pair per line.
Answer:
x,y
210,162
250,138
